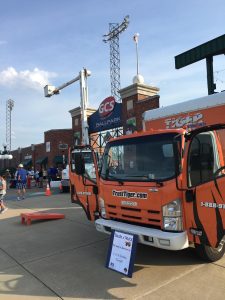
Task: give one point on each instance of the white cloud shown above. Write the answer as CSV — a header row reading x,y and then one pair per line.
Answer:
x,y
33,79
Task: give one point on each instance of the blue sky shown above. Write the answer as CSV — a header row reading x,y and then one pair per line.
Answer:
x,y
50,41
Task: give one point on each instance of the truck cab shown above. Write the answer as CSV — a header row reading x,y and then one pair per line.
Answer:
x,y
165,186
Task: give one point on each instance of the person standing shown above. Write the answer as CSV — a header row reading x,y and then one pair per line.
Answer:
x,y
36,177
21,182
40,178
8,178
3,208
52,174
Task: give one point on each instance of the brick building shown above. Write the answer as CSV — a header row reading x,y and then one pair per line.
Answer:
x,y
76,122
54,151
136,99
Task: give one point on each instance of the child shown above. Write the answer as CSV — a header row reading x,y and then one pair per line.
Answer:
x,y
3,208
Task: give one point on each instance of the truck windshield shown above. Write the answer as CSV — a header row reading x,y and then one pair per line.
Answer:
x,y
146,158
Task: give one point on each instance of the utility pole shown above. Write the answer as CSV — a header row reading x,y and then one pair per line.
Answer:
x,y
113,38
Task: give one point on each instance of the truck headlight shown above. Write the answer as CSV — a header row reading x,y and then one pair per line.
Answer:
x,y
172,216
102,207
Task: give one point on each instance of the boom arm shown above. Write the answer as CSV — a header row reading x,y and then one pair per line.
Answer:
x,y
83,74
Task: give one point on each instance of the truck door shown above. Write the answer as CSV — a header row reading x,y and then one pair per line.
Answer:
x,y
84,187
204,174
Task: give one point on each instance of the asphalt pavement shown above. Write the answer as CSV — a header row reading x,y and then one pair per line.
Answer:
x,y
65,259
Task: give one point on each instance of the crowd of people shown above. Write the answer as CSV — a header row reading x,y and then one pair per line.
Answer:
x,y
24,179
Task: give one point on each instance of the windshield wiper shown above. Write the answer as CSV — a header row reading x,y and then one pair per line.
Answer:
x,y
139,176
113,177
159,182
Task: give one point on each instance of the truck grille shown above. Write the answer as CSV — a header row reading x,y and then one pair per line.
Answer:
x,y
135,215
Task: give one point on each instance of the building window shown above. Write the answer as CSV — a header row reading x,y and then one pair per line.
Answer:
x,y
130,104
76,121
48,147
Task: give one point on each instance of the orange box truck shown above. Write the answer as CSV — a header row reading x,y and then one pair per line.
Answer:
x,y
165,184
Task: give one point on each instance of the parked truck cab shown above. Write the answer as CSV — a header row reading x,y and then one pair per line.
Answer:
x,y
165,186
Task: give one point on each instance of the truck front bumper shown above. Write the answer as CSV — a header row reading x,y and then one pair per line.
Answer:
x,y
148,236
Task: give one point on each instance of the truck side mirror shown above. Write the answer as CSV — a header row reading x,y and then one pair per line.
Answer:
x,y
177,155
79,164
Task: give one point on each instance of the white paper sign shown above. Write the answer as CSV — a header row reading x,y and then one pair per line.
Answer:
x,y
121,252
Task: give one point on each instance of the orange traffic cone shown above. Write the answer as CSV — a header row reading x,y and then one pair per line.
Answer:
x,y
48,191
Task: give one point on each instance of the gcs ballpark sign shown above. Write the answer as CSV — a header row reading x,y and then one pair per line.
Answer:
x,y
107,116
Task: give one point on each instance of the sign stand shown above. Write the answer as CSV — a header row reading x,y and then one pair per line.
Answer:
x,y
121,252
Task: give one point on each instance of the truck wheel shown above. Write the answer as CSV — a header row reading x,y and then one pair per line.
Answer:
x,y
211,254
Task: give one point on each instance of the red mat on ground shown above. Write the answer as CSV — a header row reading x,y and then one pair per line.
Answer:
x,y
27,217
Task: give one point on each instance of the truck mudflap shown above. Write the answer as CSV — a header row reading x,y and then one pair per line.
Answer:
x,y
148,236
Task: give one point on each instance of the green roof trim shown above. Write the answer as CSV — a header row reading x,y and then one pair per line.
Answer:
x,y
27,162
42,160
208,49
58,159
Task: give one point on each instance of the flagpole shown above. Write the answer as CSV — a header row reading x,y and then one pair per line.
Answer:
x,y
136,36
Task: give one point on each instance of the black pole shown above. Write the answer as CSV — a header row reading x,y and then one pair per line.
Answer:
x,y
210,79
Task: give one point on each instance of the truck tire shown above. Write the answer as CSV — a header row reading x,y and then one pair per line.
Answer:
x,y
211,254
